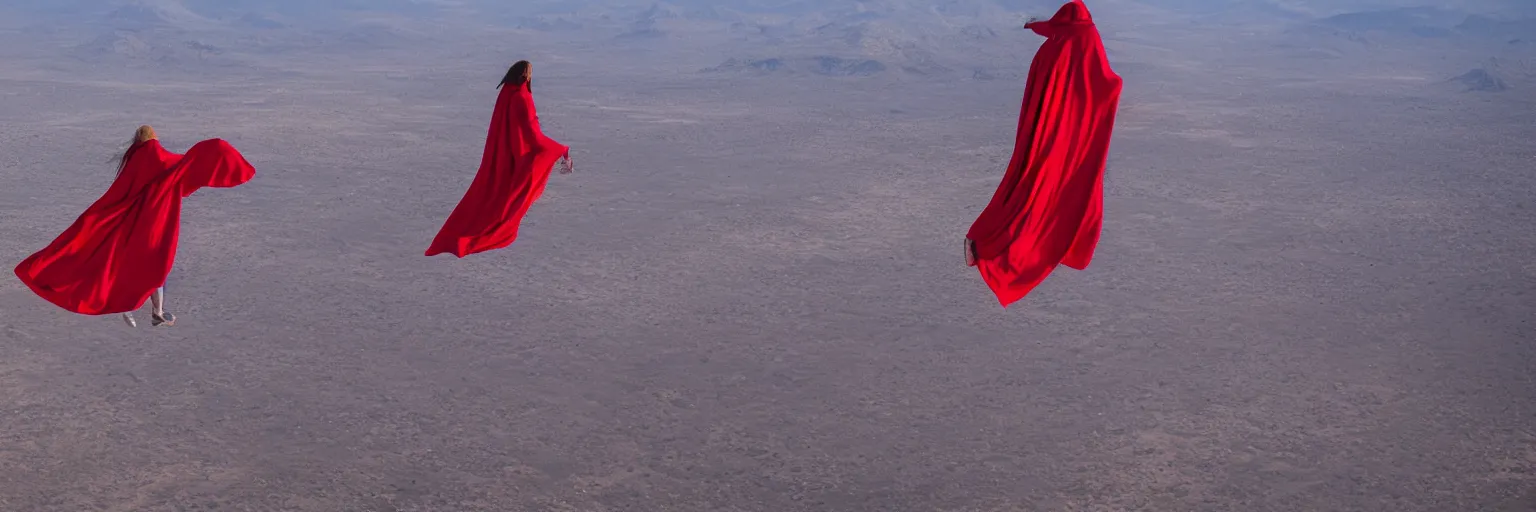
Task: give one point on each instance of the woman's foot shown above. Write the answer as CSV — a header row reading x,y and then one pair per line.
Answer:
x,y
128,317
162,318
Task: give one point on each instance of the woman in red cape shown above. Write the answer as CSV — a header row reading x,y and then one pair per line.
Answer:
x,y
513,171
118,253
1049,207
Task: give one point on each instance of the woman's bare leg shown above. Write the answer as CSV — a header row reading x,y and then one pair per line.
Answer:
x,y
157,300
160,316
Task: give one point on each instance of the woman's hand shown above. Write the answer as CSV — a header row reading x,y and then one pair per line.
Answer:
x,y
970,253
567,165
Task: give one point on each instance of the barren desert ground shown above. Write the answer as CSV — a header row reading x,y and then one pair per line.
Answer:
x,y
1315,291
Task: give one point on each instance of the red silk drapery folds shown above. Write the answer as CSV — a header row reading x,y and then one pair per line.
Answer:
x,y
1049,208
122,248
513,171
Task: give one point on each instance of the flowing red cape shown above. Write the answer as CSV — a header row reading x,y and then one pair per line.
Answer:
x,y
117,252
513,171
1049,208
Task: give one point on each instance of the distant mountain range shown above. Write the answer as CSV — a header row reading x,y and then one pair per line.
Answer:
x,y
980,39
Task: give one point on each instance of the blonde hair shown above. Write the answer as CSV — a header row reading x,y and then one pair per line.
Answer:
x,y
145,133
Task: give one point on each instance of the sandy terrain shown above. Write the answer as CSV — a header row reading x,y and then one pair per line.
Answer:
x,y
1315,291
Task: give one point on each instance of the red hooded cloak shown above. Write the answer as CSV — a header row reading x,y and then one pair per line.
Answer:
x,y
1049,207
513,171
117,252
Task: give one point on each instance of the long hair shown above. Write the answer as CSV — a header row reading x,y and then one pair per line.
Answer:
x,y
145,133
517,75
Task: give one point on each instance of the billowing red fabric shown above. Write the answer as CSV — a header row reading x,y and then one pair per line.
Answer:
x,y
513,172
1049,207
117,252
